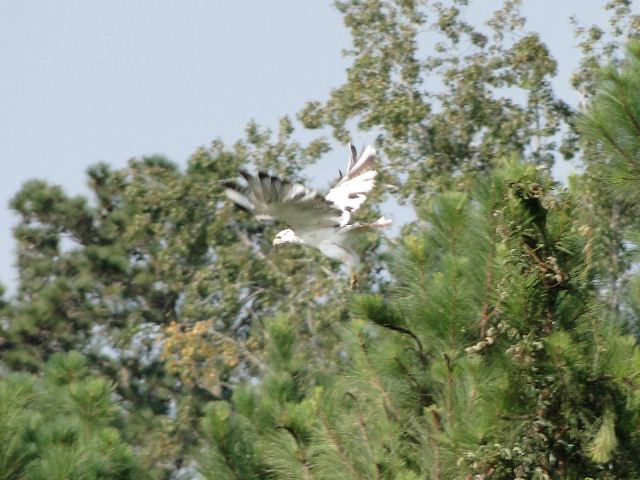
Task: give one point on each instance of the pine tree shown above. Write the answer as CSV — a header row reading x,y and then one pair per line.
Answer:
x,y
266,431
610,129
493,350
609,218
164,285
523,377
488,358
63,425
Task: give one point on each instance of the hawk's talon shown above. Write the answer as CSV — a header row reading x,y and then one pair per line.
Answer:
x,y
354,281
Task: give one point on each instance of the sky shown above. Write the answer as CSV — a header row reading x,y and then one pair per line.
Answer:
x,y
87,81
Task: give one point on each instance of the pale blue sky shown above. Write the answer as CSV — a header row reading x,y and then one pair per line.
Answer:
x,y
105,80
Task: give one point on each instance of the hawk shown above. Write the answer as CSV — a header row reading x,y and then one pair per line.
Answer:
x,y
314,220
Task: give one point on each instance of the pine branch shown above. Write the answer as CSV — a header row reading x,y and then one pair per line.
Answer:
x,y
488,283
391,411
612,142
367,442
335,443
308,474
404,331
628,109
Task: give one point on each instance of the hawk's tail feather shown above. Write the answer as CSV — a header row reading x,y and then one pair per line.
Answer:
x,y
232,192
264,189
277,184
265,180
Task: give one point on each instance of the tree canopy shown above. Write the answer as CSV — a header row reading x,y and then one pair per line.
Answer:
x,y
155,332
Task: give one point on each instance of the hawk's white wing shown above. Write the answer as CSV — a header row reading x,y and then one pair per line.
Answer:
x,y
272,198
352,189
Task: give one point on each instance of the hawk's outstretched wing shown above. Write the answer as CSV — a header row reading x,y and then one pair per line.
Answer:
x,y
351,191
272,198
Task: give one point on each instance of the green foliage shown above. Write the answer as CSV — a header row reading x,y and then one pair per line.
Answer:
x,y
611,126
601,45
488,357
610,131
164,285
64,425
232,454
440,90
495,345
267,429
503,366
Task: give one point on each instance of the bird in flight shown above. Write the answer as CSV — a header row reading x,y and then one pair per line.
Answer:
x,y
314,220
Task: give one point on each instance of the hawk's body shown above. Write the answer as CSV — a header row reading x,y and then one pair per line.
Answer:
x,y
320,222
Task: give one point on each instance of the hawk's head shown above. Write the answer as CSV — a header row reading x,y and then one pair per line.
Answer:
x,y
286,236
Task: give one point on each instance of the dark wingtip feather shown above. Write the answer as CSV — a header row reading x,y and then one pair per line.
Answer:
x,y
354,157
246,175
265,183
244,209
232,185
